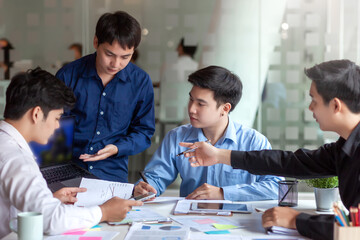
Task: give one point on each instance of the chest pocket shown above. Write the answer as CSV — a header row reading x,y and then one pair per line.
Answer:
x,y
121,113
230,176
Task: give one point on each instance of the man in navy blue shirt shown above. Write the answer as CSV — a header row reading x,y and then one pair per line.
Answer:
x,y
115,100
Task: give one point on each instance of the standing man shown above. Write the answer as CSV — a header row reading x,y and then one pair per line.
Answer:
x,y
183,66
115,100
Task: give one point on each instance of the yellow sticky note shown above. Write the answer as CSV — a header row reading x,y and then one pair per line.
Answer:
x,y
93,229
224,226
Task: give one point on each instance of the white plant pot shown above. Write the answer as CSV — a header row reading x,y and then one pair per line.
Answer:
x,y
325,197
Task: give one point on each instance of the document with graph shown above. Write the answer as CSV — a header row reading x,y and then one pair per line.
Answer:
x,y
99,191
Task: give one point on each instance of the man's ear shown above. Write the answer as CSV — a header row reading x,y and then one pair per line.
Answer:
x,y
96,42
227,107
337,105
36,114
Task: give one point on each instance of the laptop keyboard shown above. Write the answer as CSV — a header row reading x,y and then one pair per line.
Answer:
x,y
61,173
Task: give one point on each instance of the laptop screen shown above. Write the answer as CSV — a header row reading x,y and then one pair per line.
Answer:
x,y
59,147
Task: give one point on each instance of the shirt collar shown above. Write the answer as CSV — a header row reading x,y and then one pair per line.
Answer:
x,y
197,134
90,69
353,141
16,135
90,66
230,133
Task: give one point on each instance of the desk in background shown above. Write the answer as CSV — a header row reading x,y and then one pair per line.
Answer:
x,y
252,222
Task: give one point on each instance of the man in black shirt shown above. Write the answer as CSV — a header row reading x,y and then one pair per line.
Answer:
x,y
335,103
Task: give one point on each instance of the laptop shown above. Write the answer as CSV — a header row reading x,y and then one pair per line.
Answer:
x,y
55,158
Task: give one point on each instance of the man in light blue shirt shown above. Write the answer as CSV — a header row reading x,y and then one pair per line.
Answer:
x,y
215,93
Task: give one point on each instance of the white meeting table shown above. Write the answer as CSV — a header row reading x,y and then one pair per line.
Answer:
x,y
252,222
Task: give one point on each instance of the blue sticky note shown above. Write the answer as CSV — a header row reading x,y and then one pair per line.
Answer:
x,y
218,232
96,226
145,227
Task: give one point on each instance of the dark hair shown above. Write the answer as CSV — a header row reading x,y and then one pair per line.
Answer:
x,y
119,26
36,88
77,46
135,56
337,79
227,86
188,49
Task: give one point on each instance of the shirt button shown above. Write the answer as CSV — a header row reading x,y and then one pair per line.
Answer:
x,y
101,113
104,94
91,148
98,132
91,167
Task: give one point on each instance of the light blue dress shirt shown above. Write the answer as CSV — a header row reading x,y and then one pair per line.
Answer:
x,y
237,184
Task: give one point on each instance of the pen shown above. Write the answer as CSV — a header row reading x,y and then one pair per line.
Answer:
x,y
143,177
190,150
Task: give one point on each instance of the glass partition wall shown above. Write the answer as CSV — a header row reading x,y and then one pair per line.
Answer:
x,y
267,43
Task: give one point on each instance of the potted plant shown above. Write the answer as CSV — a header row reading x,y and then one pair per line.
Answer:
x,y
326,192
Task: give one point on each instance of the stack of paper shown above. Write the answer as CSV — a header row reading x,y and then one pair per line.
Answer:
x,y
283,231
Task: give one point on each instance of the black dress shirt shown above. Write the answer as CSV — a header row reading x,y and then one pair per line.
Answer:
x,y
341,159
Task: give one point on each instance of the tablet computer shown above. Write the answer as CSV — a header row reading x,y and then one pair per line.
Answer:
x,y
220,207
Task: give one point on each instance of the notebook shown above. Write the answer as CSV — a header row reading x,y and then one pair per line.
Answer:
x,y
54,158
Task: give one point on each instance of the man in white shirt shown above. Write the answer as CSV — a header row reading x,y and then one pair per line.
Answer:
x,y
183,66
34,104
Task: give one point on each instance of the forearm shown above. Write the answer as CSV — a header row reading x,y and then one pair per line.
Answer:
x,y
315,226
301,164
257,191
133,143
224,156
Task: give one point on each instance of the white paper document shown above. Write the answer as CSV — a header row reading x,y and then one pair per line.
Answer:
x,y
99,191
204,223
141,215
139,231
165,199
104,235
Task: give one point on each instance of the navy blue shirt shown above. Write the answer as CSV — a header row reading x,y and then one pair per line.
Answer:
x,y
121,113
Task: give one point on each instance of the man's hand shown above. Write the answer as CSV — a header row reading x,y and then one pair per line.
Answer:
x,y
115,209
280,216
102,154
143,188
207,191
67,195
205,154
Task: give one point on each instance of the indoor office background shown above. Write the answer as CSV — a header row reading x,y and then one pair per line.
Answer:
x,y
267,43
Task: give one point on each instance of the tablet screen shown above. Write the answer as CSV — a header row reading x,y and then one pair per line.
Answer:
x,y
221,206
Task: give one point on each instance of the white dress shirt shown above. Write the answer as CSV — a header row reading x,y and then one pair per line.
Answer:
x,y
180,69
23,188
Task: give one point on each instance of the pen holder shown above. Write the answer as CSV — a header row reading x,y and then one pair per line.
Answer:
x,y
288,194
346,233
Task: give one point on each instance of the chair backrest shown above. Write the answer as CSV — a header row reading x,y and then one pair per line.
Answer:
x,y
3,86
174,97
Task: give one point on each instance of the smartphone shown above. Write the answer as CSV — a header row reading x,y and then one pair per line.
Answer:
x,y
145,196
221,207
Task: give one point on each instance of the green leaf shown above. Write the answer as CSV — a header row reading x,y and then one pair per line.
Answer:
x,y
330,182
